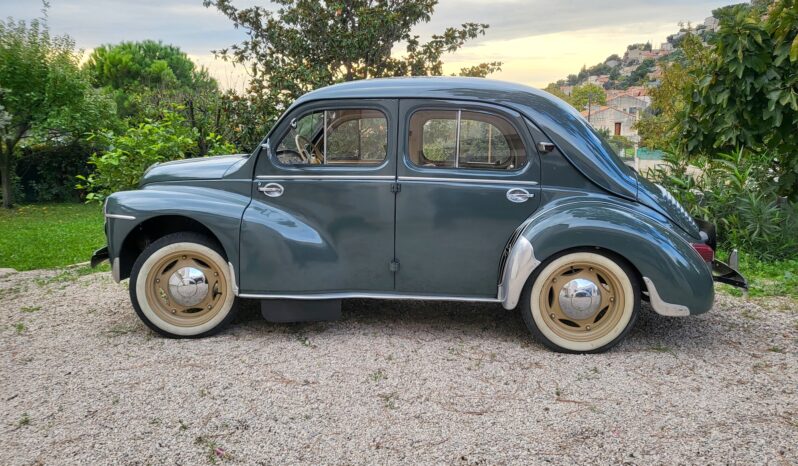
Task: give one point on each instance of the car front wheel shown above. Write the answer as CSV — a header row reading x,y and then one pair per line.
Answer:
x,y
181,286
581,302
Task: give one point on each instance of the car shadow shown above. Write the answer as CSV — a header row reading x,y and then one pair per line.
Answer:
x,y
485,320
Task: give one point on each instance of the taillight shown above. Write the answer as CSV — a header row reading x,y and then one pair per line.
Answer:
x,y
704,251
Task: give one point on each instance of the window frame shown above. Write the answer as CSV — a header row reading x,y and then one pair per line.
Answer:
x,y
459,109
275,159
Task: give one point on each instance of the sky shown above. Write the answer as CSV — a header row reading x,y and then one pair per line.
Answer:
x,y
538,41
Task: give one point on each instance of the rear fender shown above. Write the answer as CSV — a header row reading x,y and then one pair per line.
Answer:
x,y
669,267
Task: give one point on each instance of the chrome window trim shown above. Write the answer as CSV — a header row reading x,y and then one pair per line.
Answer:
x,y
349,295
325,177
120,216
468,180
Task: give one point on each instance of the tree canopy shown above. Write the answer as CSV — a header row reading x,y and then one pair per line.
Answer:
x,y
44,93
305,44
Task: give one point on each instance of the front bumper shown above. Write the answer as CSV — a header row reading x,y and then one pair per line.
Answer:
x,y
101,255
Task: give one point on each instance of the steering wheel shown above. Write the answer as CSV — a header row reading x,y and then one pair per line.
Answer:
x,y
302,144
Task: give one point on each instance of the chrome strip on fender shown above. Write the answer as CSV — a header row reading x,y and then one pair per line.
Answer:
x,y
468,180
348,295
661,307
120,216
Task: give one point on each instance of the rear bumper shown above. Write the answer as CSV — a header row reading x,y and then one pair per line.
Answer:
x,y
721,272
725,273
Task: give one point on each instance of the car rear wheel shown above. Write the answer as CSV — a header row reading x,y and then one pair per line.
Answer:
x,y
581,302
181,286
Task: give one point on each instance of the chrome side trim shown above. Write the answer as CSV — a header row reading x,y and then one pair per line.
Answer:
x,y
120,216
661,307
325,177
115,273
348,295
468,180
519,266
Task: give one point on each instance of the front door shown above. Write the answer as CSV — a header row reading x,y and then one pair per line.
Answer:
x,y
322,211
468,176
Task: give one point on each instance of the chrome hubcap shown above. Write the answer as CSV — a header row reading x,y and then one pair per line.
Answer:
x,y
188,286
579,298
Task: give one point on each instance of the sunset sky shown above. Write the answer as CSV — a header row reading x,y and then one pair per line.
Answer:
x,y
538,41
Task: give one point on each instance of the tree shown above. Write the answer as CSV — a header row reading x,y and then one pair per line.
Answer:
x,y
747,95
45,95
554,90
591,94
661,127
305,44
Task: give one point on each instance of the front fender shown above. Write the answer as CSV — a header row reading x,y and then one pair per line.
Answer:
x,y
217,210
675,275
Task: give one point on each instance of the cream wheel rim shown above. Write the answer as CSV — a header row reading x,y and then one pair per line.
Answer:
x,y
582,301
186,288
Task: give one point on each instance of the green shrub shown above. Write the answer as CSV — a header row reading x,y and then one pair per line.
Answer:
x,y
739,194
129,154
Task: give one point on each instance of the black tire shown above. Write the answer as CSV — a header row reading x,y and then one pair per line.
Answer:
x,y
543,336
188,241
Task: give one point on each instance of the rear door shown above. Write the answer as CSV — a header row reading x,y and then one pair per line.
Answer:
x,y
468,176
322,211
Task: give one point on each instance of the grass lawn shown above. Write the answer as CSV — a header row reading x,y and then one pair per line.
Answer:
x,y
38,236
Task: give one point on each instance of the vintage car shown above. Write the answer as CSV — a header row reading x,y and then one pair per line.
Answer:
x,y
414,188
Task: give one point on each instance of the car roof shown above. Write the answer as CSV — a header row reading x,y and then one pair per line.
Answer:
x,y
426,87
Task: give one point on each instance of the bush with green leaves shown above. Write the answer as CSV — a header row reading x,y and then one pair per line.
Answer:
x,y
736,192
131,152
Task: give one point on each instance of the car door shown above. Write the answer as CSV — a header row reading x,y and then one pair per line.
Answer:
x,y
322,212
468,176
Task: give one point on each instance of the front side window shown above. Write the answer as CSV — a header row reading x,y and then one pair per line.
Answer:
x,y
330,137
464,139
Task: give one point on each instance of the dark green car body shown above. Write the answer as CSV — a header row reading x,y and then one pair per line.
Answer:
x,y
400,230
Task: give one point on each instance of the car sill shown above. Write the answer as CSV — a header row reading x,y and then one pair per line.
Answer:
x,y
366,295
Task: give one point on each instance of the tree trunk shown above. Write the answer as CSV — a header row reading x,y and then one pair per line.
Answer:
x,y
5,178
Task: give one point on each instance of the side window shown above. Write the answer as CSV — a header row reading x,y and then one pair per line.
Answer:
x,y
329,137
464,139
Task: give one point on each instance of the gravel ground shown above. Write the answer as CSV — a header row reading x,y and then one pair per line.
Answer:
x,y
83,381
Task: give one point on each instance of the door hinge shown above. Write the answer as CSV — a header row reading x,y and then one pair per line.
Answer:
x,y
396,187
394,265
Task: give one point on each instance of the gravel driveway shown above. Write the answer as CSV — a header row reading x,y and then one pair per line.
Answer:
x,y
83,381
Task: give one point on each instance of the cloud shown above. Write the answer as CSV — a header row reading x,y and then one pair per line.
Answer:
x,y
538,40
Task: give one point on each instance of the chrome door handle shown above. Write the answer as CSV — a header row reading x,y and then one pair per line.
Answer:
x,y
518,195
272,189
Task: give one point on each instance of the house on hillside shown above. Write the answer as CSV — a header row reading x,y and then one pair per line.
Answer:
x,y
615,121
629,103
598,80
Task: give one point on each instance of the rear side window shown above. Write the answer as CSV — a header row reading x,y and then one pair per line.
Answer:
x,y
330,137
464,139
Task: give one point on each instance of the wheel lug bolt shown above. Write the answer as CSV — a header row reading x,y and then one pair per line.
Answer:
x,y
587,327
215,274
210,306
551,315
174,311
184,257
157,280
554,280
612,299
